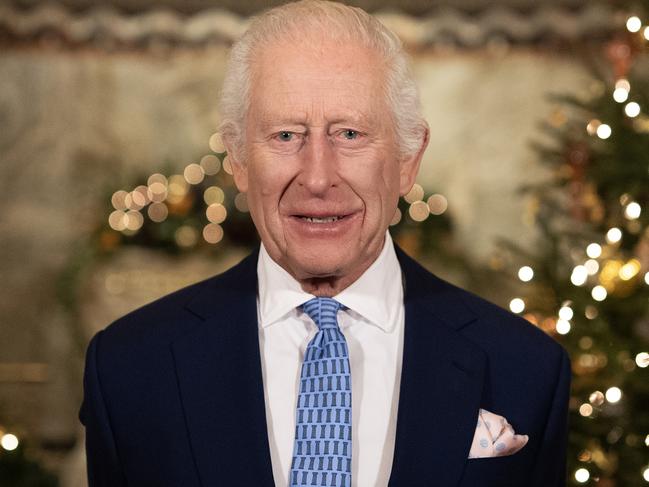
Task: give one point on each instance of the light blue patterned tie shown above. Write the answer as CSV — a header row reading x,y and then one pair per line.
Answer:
x,y
322,452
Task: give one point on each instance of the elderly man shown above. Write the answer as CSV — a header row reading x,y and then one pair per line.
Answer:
x,y
328,357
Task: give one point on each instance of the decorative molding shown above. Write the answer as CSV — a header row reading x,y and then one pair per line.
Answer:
x,y
446,25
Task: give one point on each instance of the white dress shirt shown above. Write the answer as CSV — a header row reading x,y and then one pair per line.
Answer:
x,y
373,327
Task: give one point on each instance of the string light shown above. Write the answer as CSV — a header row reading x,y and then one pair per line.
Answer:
x,y
213,195
623,84
632,211
630,269
620,95
633,24
438,204
216,213
563,327
591,312
517,305
604,131
579,275
586,409
194,174
416,193
645,33
582,475
632,109
418,211
596,398
9,442
216,143
614,235
642,360
158,212
613,394
592,126
594,250
210,164
525,273
213,233
592,266
566,313
599,293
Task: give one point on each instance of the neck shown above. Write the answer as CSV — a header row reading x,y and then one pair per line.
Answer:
x,y
328,286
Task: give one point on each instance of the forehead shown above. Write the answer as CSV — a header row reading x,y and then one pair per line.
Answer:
x,y
317,77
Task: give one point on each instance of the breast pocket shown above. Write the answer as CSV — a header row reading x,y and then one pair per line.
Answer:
x,y
506,471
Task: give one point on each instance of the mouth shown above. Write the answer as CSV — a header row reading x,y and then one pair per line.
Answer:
x,y
323,225
321,220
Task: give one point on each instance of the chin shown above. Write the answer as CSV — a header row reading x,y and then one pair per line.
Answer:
x,y
314,265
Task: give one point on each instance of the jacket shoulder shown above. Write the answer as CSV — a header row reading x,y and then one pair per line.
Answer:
x,y
486,323
167,317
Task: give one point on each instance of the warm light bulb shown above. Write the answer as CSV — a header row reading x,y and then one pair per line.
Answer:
x,y
642,360
9,442
613,394
582,475
599,293
525,273
614,235
594,250
633,24
632,109
579,275
592,266
632,210
562,327
620,95
604,131
517,305
566,313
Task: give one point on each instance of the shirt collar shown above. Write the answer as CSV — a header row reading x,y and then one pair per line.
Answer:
x,y
376,295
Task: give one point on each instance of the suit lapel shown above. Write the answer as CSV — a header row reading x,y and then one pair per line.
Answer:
x,y
219,374
441,383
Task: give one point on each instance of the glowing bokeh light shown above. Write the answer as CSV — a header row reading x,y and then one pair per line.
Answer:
x,y
599,293
9,442
594,250
562,327
633,23
517,305
614,235
632,109
613,394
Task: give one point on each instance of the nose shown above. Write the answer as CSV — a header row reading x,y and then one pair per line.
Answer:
x,y
318,165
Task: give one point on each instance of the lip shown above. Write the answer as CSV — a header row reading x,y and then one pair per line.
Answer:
x,y
298,224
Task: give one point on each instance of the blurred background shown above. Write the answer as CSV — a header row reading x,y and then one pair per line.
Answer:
x,y
533,193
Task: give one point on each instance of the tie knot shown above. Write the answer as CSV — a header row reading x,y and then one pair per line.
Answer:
x,y
323,311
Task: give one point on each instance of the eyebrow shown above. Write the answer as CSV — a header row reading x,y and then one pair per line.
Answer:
x,y
268,121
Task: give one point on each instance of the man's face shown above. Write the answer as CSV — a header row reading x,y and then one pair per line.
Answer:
x,y
322,170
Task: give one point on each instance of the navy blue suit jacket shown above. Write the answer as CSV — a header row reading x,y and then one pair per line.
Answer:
x,y
173,391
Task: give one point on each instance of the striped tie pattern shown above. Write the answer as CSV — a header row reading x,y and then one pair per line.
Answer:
x,y
322,452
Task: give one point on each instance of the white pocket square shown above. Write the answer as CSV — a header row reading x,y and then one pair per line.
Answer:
x,y
495,437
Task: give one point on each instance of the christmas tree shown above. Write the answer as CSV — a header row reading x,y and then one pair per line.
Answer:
x,y
587,281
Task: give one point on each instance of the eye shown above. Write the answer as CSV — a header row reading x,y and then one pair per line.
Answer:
x,y
285,136
350,134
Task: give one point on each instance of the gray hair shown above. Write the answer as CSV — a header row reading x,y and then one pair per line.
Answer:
x,y
337,21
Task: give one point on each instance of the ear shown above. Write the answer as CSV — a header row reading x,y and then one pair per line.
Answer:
x,y
239,167
409,165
